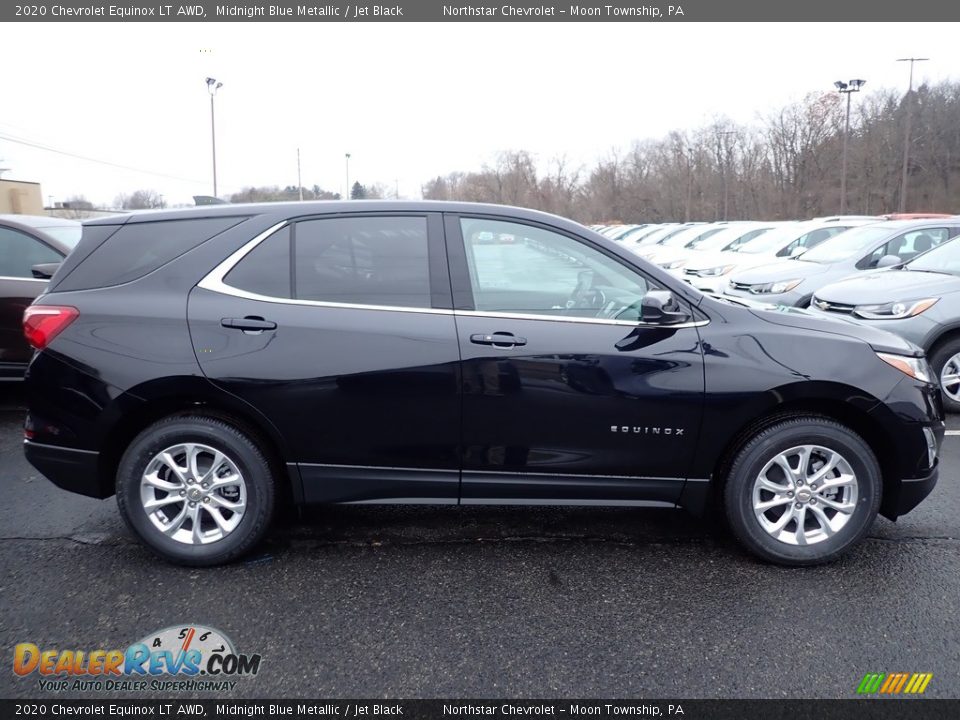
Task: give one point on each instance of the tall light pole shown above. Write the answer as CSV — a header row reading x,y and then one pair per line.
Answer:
x,y
347,194
212,87
846,89
299,180
906,138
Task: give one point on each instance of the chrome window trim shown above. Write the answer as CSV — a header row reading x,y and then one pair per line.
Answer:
x,y
30,279
214,282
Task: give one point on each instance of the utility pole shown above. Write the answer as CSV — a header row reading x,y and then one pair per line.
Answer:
x,y
846,89
725,147
906,138
299,181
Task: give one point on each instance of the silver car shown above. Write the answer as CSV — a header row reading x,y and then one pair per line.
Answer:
x,y
793,281
920,301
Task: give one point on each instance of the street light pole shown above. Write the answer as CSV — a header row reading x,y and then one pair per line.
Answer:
x,y
846,89
347,193
906,138
212,87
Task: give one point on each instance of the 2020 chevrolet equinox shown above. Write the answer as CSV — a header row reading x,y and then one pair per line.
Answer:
x,y
198,363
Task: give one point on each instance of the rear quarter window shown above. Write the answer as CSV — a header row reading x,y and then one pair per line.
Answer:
x,y
140,248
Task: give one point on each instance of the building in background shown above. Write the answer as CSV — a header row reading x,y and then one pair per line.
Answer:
x,y
20,198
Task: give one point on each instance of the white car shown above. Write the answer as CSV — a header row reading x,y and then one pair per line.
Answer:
x,y
681,239
730,237
709,271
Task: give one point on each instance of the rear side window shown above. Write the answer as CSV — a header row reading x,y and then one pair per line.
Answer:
x,y
20,252
140,248
363,261
265,270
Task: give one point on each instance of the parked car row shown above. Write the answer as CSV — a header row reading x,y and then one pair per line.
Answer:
x,y
898,272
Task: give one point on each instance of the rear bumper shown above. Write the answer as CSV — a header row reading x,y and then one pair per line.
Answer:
x,y
68,468
908,493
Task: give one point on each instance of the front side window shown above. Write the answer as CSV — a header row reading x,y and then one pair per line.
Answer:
x,y
811,239
20,252
908,245
540,272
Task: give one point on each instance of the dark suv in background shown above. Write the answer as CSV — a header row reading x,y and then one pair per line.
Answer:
x,y
199,363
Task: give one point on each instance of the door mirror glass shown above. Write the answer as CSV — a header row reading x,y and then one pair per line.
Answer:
x,y
888,261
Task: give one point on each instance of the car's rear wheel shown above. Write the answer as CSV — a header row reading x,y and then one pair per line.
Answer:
x,y
803,491
196,490
945,362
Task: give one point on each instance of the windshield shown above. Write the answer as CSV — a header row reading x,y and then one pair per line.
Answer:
x,y
661,234
69,235
944,258
847,244
772,240
681,239
720,239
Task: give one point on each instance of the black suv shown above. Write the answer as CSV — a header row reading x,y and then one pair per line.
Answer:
x,y
201,363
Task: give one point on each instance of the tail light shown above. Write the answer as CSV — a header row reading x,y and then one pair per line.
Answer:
x,y
42,323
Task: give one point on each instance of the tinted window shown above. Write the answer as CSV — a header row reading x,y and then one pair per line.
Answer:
x,y
265,270
20,252
530,270
139,248
811,239
363,261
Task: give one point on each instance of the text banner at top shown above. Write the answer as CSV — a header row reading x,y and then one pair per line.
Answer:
x,y
528,11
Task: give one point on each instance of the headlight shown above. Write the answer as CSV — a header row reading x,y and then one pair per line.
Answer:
x,y
894,310
775,288
716,271
673,265
916,368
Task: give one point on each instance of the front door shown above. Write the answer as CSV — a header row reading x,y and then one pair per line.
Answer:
x,y
567,396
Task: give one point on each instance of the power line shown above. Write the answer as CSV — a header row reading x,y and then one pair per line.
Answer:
x,y
47,148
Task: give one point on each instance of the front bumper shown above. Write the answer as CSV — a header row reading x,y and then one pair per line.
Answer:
x,y
904,496
69,468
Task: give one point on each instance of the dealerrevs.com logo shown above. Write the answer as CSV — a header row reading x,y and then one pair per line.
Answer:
x,y
178,658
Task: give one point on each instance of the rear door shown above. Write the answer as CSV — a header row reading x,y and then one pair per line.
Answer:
x,y
19,252
567,396
339,330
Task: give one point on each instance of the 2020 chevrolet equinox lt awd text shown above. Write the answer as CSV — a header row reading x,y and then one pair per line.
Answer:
x,y
198,363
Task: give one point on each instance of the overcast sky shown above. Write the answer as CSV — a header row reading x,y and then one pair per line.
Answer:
x,y
408,101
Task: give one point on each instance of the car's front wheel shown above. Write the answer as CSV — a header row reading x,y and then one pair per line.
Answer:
x,y
196,490
803,491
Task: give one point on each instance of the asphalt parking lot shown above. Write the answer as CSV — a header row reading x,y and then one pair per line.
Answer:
x,y
494,602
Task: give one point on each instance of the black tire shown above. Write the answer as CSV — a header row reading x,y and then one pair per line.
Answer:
x,y
215,433
751,460
938,359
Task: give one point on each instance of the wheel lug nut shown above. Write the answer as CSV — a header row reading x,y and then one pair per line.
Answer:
x,y
192,504
798,505
813,487
799,483
182,493
789,494
206,499
205,485
813,501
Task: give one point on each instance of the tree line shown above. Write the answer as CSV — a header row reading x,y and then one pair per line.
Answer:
x,y
786,165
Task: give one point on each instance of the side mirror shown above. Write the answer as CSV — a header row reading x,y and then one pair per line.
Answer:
x,y
660,307
44,271
888,261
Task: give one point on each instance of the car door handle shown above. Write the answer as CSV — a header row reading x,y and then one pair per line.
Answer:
x,y
249,323
498,339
